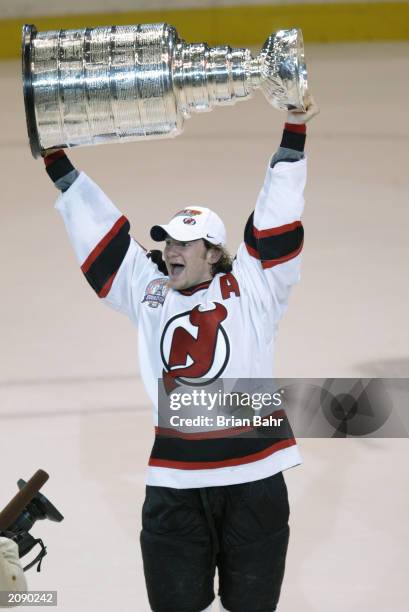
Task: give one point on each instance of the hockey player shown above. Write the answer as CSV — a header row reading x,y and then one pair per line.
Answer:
x,y
12,577
217,502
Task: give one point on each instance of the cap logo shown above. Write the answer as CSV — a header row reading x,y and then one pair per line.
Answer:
x,y
188,212
189,221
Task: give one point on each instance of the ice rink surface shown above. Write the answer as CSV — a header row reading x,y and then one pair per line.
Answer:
x,y
71,400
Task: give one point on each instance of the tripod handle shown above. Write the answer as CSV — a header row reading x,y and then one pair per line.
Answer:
x,y
14,508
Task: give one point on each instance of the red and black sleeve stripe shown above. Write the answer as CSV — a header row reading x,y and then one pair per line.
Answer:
x,y
104,261
294,136
276,245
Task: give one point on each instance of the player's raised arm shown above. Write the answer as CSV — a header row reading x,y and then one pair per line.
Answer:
x,y
268,261
115,265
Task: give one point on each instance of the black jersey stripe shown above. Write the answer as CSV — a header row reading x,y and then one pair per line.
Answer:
x,y
270,263
276,245
210,449
103,263
280,245
249,237
185,461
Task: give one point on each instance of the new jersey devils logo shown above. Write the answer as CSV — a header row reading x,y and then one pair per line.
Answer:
x,y
194,345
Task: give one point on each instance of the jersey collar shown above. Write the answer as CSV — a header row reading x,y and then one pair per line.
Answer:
x,y
192,290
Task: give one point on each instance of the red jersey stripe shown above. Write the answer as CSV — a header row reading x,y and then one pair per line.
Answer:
x,y
106,288
276,231
252,251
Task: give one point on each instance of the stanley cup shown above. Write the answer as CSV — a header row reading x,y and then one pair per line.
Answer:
x,y
122,83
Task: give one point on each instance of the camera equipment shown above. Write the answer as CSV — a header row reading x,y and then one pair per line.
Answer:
x,y
20,514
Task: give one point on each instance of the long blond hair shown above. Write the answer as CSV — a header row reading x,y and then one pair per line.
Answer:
x,y
224,263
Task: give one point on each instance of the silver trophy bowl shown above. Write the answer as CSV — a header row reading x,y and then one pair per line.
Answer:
x,y
123,83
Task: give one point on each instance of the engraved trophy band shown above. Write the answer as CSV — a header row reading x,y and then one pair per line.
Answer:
x,y
122,83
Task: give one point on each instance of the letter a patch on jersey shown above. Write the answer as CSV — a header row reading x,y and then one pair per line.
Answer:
x,y
229,286
194,345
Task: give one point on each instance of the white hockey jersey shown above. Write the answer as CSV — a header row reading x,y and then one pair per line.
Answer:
x,y
227,326
12,577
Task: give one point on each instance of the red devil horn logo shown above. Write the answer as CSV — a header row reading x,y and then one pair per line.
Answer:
x,y
193,357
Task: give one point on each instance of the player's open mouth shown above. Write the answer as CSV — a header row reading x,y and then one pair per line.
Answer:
x,y
176,269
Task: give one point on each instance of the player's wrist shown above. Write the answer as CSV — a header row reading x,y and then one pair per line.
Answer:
x,y
58,165
294,136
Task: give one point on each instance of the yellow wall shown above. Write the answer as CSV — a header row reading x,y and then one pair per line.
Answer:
x,y
242,25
